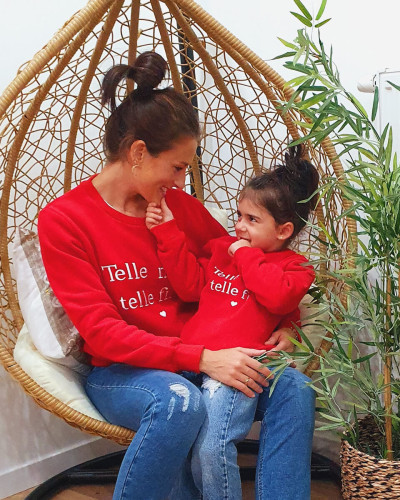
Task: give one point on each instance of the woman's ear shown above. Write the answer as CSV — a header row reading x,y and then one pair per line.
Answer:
x,y
136,153
285,230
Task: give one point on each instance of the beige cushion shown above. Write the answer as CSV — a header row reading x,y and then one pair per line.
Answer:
x,y
51,330
60,381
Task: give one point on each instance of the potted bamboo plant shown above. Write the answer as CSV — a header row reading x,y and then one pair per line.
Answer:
x,y
364,304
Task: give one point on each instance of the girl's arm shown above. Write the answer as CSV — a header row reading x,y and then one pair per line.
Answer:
x,y
278,286
185,271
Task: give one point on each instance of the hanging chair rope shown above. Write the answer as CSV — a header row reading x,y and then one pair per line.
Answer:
x,y
94,61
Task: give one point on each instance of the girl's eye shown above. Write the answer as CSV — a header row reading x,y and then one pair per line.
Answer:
x,y
252,219
178,169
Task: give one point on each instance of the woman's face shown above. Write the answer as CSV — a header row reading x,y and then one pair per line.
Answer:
x,y
155,174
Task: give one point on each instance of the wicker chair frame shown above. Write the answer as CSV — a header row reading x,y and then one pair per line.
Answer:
x,y
51,126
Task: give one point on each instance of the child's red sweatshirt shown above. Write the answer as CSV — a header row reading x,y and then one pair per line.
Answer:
x,y
242,299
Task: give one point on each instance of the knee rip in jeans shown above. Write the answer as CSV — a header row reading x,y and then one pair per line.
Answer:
x,y
183,392
211,385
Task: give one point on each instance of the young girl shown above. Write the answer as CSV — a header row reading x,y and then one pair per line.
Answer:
x,y
246,288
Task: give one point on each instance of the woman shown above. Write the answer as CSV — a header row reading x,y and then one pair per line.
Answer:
x,y
102,264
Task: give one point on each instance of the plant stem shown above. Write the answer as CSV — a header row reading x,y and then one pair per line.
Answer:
x,y
388,406
387,374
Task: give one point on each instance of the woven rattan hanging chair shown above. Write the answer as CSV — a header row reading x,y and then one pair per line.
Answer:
x,y
51,127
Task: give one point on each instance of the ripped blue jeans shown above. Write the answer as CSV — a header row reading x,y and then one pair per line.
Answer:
x,y
168,411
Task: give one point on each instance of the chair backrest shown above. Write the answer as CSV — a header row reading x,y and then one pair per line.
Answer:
x,y
51,125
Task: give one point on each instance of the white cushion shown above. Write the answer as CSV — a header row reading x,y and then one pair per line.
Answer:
x,y
60,381
219,214
51,330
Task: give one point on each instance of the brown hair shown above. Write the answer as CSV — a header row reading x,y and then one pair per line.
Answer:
x,y
284,189
159,117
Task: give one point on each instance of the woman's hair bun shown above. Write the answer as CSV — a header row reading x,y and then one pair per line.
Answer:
x,y
148,71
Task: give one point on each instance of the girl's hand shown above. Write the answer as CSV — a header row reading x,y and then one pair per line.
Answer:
x,y
237,368
157,215
236,245
282,343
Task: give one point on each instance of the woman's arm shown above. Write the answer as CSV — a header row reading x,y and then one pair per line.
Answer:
x,y
79,288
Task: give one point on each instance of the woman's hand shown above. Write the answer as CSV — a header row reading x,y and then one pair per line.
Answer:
x,y
156,215
237,368
236,245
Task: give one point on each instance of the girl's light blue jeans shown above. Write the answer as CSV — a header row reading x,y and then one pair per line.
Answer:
x,y
168,411
230,415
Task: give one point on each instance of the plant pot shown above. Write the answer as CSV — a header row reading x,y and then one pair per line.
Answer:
x,y
364,476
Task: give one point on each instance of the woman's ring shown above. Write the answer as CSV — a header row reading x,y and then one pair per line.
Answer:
x,y
247,380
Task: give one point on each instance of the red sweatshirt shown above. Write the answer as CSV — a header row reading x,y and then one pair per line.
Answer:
x,y
242,299
104,269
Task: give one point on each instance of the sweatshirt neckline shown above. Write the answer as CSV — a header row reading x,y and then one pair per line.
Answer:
x,y
95,195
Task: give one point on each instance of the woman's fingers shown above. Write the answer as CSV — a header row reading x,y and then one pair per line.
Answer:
x,y
236,368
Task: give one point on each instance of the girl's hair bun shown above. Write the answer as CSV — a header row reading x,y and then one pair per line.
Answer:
x,y
300,174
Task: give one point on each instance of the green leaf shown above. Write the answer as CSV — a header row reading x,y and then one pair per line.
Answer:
x,y
323,22
364,358
305,339
313,100
332,418
286,54
375,104
299,53
301,68
388,154
303,19
397,87
303,9
289,45
321,10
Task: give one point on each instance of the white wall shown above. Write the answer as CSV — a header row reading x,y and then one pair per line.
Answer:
x,y
34,444
362,32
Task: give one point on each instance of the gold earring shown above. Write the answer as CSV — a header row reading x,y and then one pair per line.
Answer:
x,y
134,165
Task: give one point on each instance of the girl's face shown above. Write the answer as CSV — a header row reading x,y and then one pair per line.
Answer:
x,y
257,226
155,174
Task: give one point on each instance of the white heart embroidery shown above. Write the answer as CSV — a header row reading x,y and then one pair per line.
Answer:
x,y
163,314
233,303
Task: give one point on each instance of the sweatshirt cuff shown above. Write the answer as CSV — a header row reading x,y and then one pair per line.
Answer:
x,y
166,230
187,357
243,254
